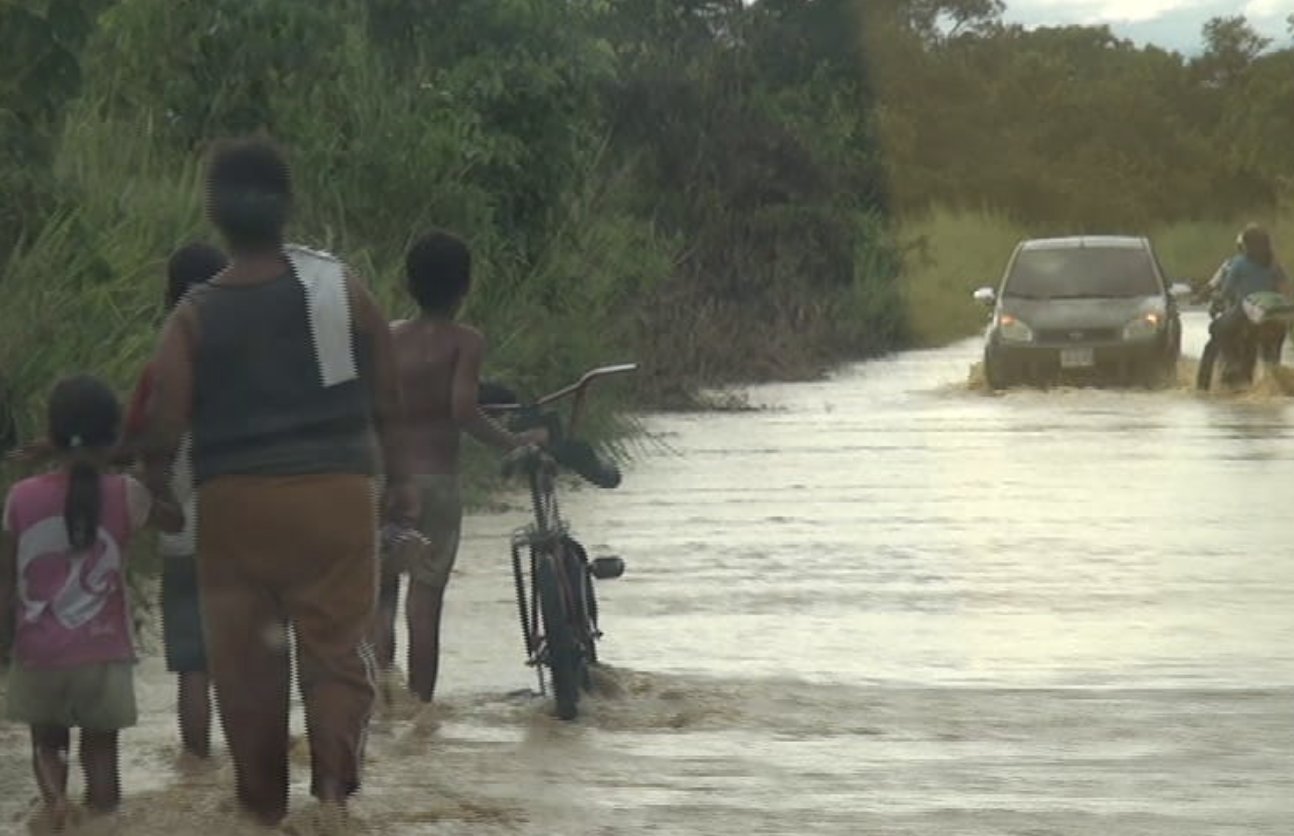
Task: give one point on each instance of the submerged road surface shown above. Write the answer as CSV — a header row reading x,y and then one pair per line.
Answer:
x,y
885,603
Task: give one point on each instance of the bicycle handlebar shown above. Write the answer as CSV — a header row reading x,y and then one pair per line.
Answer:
x,y
578,386
562,446
585,381
577,389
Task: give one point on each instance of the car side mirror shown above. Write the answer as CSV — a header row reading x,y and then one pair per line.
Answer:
x,y
1180,290
986,296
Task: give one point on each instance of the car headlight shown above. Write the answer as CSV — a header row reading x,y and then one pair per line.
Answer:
x,y
1146,325
1013,330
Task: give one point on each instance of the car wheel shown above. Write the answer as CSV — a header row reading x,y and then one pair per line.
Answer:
x,y
1168,371
995,373
1157,373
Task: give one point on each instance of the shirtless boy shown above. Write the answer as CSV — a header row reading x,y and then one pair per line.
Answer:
x,y
439,362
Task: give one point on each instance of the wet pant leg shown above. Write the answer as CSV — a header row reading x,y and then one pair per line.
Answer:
x,y
331,607
248,662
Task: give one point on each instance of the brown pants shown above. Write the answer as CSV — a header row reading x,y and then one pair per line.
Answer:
x,y
295,550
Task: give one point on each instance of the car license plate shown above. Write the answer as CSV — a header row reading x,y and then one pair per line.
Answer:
x,y
1076,358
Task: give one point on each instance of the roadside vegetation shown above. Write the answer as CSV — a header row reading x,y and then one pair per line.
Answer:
x,y
992,133
724,191
949,254
693,185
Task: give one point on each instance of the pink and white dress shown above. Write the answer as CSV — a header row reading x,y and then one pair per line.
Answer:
x,y
73,606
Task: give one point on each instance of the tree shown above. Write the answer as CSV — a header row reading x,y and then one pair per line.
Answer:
x,y
1231,45
40,73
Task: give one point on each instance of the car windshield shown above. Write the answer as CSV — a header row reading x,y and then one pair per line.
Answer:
x,y
1082,273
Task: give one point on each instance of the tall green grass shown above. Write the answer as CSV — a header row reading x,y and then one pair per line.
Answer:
x,y
1191,252
947,255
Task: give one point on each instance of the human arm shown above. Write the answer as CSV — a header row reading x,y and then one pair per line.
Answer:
x,y
1281,280
1215,283
149,509
465,397
169,403
388,404
135,423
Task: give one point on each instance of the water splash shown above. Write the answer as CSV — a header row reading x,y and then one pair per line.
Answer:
x,y
1270,384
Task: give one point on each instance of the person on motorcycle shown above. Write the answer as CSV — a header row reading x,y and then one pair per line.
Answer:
x,y
1253,269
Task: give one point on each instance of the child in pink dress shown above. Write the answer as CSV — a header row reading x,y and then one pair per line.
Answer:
x,y
63,601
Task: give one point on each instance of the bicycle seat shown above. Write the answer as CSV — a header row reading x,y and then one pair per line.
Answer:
x,y
581,458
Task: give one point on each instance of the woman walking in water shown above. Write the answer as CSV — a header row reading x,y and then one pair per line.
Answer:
x,y
285,365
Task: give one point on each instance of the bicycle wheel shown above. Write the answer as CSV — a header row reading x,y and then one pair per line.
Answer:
x,y
563,652
1208,358
591,605
585,609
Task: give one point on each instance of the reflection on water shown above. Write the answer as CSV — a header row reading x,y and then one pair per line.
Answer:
x,y
886,603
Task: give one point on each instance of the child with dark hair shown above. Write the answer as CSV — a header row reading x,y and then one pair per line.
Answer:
x,y
63,600
190,265
439,362
182,633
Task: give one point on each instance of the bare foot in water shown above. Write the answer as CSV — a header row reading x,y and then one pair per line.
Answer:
x,y
395,702
428,718
299,749
390,682
190,765
55,817
326,818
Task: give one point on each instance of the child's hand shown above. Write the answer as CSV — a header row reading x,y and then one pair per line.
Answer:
x,y
537,436
400,503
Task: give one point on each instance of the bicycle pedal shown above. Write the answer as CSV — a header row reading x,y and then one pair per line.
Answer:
x,y
606,568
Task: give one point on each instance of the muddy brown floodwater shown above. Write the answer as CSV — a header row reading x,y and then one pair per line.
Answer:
x,y
886,603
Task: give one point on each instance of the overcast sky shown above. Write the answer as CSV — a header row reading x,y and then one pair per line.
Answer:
x,y
1174,24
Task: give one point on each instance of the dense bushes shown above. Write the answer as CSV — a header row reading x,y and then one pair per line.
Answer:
x,y
691,182
709,186
1071,128
993,133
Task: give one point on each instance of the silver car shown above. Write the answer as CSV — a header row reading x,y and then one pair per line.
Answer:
x,y
1091,307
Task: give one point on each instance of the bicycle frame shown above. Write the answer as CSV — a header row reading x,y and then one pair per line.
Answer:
x,y
547,540
543,541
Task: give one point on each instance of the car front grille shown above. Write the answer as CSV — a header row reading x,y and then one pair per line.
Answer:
x,y
1076,335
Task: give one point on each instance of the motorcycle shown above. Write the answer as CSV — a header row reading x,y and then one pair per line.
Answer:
x,y
1240,334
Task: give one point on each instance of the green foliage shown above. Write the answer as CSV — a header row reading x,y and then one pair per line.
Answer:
x,y
39,73
764,159
993,133
1192,251
690,183
1072,128
947,256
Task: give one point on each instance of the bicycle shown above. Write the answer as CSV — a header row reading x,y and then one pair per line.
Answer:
x,y
556,601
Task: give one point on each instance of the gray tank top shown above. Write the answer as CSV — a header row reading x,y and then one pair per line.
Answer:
x,y
263,403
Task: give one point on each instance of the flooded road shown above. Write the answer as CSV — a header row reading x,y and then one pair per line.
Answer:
x,y
884,603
